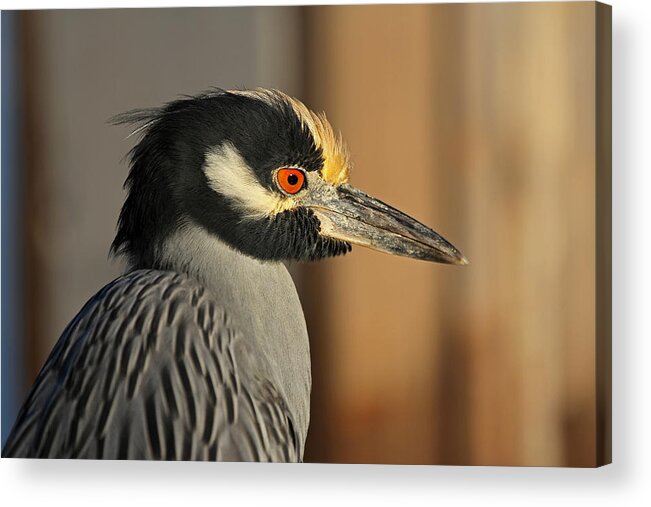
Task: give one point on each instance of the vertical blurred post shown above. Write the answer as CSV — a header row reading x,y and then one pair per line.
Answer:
x,y
371,317
13,377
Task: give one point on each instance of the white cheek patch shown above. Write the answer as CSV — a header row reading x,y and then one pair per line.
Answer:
x,y
229,175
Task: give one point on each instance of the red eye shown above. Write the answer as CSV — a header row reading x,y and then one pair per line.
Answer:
x,y
290,180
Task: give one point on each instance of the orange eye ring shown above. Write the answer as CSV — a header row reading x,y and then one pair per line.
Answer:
x,y
290,180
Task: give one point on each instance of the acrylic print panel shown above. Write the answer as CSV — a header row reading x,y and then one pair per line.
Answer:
x,y
489,123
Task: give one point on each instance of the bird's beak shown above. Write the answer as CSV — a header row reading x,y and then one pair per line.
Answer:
x,y
351,215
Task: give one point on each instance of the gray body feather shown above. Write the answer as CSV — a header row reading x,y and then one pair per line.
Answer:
x,y
162,365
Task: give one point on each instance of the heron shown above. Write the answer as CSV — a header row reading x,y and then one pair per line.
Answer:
x,y
200,351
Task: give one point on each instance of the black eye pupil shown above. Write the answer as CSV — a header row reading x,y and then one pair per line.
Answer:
x,y
292,179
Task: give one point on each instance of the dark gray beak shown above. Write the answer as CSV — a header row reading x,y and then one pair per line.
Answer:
x,y
355,217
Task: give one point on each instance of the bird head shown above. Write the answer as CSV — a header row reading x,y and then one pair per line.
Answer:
x,y
264,174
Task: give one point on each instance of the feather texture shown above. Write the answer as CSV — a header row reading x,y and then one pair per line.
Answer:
x,y
152,368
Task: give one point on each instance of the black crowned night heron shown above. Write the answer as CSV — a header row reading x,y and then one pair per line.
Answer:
x,y
200,351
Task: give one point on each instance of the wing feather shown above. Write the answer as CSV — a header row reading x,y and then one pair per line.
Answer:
x,y
151,368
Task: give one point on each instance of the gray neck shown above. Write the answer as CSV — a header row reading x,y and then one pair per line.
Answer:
x,y
261,299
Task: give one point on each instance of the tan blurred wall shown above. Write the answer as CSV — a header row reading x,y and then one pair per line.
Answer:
x,y
479,120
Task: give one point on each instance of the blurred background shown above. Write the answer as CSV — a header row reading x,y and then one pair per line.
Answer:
x,y
479,120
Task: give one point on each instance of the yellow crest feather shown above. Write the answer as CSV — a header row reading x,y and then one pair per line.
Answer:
x,y
336,161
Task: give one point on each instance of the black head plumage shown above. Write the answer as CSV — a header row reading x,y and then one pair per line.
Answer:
x,y
167,188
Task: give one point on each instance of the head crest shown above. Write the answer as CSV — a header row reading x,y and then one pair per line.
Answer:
x,y
336,162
